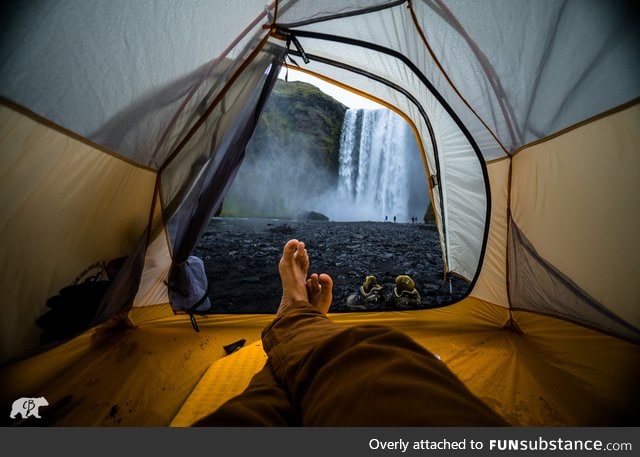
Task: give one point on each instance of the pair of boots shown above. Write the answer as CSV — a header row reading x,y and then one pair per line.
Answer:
x,y
372,296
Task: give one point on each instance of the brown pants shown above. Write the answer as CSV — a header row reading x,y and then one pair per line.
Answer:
x,y
319,373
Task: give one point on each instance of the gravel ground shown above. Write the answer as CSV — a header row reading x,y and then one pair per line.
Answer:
x,y
241,259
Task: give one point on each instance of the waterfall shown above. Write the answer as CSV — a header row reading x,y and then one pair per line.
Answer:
x,y
375,168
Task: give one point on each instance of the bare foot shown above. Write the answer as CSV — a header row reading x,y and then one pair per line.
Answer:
x,y
293,267
320,291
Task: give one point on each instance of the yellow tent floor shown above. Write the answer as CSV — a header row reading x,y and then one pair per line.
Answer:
x,y
158,371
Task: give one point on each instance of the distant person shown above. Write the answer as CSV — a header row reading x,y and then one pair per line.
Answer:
x,y
319,373
394,218
386,218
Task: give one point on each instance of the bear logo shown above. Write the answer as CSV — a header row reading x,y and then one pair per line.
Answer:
x,y
27,407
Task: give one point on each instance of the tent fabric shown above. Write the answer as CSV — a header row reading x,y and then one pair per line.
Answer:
x,y
52,177
556,188
547,58
490,285
127,375
153,288
539,377
566,198
225,135
118,71
124,123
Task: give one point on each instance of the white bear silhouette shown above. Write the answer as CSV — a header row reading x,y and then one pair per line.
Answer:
x,y
27,407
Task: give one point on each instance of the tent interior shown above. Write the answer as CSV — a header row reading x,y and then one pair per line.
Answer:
x,y
123,125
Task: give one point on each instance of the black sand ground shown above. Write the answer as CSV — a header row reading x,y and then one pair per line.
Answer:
x,y
241,259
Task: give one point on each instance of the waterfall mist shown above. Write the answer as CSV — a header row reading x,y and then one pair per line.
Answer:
x,y
381,174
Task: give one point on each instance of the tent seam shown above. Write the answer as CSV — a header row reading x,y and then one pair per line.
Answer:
x,y
358,12
178,149
448,79
590,302
71,134
507,110
578,125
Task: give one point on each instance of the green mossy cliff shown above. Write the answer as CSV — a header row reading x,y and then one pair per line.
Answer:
x,y
293,156
299,115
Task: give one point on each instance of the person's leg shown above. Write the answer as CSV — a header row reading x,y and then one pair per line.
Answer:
x,y
264,402
357,376
321,374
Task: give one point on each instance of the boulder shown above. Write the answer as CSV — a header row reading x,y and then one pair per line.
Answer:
x,y
314,216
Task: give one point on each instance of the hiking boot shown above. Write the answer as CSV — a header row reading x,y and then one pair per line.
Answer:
x,y
370,296
405,294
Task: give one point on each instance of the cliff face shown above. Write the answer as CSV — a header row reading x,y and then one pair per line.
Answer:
x,y
306,118
293,155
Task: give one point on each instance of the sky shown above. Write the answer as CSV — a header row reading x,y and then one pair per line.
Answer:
x,y
344,96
